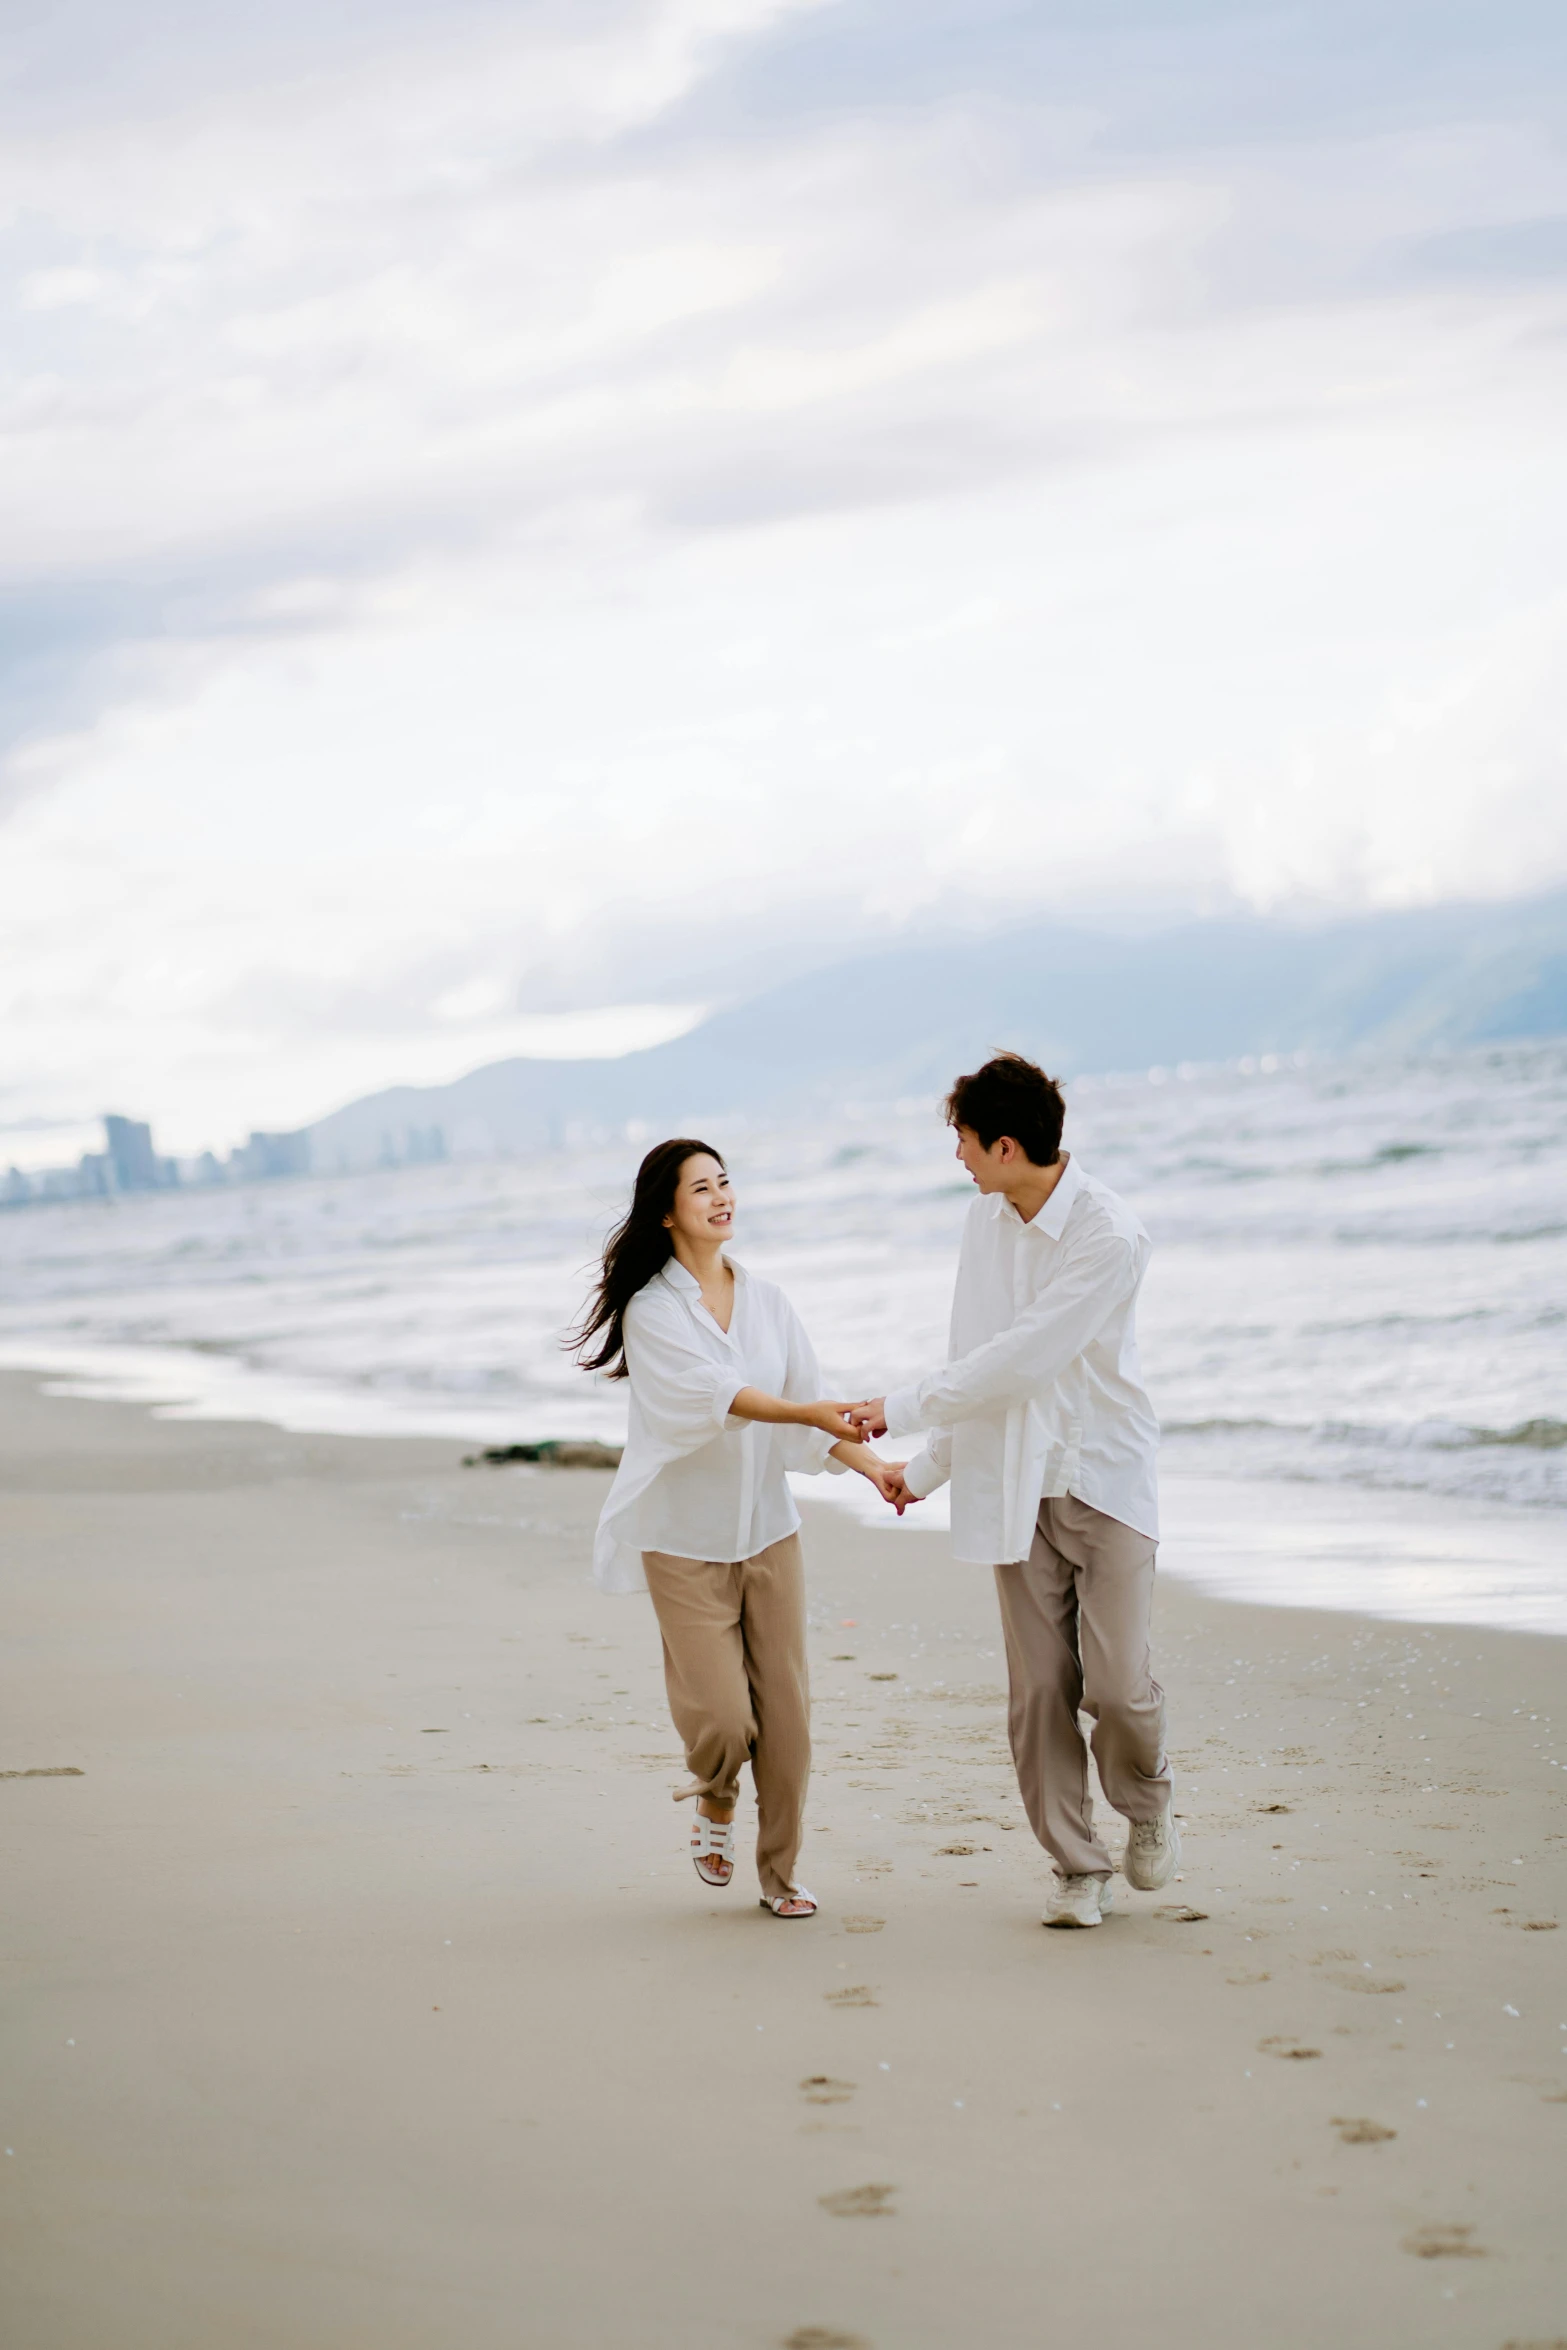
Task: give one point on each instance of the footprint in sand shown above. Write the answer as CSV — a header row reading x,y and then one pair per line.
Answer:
x,y
1180,1913
48,1771
860,2203
1286,2045
1260,1977
823,2338
863,1925
1356,2130
1444,2242
822,2089
1363,1982
852,1995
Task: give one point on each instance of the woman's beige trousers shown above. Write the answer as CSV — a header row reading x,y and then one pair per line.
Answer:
x,y
734,1667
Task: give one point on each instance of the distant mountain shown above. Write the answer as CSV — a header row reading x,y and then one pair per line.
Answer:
x,y
905,1020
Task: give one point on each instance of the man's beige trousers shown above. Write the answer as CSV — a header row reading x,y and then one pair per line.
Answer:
x,y
734,1667
1075,1614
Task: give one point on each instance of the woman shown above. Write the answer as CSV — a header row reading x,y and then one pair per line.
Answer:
x,y
724,1392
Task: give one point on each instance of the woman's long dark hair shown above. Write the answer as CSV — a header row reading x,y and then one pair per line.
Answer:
x,y
638,1248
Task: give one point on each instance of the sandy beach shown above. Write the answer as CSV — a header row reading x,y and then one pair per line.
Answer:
x,y
360,1993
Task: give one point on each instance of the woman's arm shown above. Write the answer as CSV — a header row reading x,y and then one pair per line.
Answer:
x,y
754,1403
886,1476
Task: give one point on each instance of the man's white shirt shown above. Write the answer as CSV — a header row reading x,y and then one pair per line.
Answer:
x,y
1042,1391
693,1480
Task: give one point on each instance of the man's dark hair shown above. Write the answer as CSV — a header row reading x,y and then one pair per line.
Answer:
x,y
1011,1096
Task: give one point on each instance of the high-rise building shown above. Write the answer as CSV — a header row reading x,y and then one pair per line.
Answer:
x,y
137,1166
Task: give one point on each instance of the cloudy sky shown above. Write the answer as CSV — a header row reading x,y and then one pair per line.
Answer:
x,y
525,516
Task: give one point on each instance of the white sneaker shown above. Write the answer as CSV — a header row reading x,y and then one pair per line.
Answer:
x,y
1078,1901
1153,1852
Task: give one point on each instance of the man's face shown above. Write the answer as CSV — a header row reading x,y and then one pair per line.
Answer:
x,y
992,1168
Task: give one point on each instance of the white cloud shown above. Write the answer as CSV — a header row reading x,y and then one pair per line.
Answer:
x,y
548,535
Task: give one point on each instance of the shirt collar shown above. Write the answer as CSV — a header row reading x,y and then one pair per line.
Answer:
x,y
1051,1219
680,1276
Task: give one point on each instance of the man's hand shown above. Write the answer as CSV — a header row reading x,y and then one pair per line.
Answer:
x,y
871,1418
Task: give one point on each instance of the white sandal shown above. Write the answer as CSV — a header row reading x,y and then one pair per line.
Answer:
x,y
778,1903
713,1840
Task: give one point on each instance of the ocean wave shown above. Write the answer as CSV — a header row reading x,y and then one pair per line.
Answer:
x,y
1524,1466
1359,1272
1541,1435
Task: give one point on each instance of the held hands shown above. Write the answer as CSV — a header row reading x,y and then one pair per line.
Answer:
x,y
902,1495
886,1476
833,1419
870,1419
851,1423
891,1484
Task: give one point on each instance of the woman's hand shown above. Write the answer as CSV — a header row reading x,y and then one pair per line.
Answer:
x,y
898,1489
886,1476
832,1419
754,1403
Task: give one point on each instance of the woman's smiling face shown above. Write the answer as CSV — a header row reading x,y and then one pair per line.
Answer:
x,y
703,1209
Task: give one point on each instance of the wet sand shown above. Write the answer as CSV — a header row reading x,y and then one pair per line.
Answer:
x,y
359,1992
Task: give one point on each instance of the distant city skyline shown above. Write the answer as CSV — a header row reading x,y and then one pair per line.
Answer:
x,y
130,1161
1250,996
526,524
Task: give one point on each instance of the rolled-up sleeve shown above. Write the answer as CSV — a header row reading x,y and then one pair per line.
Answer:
x,y
1031,1353
683,1396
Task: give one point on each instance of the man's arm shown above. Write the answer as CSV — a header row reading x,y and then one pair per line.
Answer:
x,y
931,1466
1030,1354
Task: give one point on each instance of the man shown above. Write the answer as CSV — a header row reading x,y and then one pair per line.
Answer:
x,y
1040,1420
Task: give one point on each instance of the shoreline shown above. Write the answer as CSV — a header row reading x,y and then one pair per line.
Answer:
x,y
1401,1554
361,1993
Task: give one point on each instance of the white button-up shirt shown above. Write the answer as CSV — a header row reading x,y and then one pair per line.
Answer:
x,y
693,1480
1042,1393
